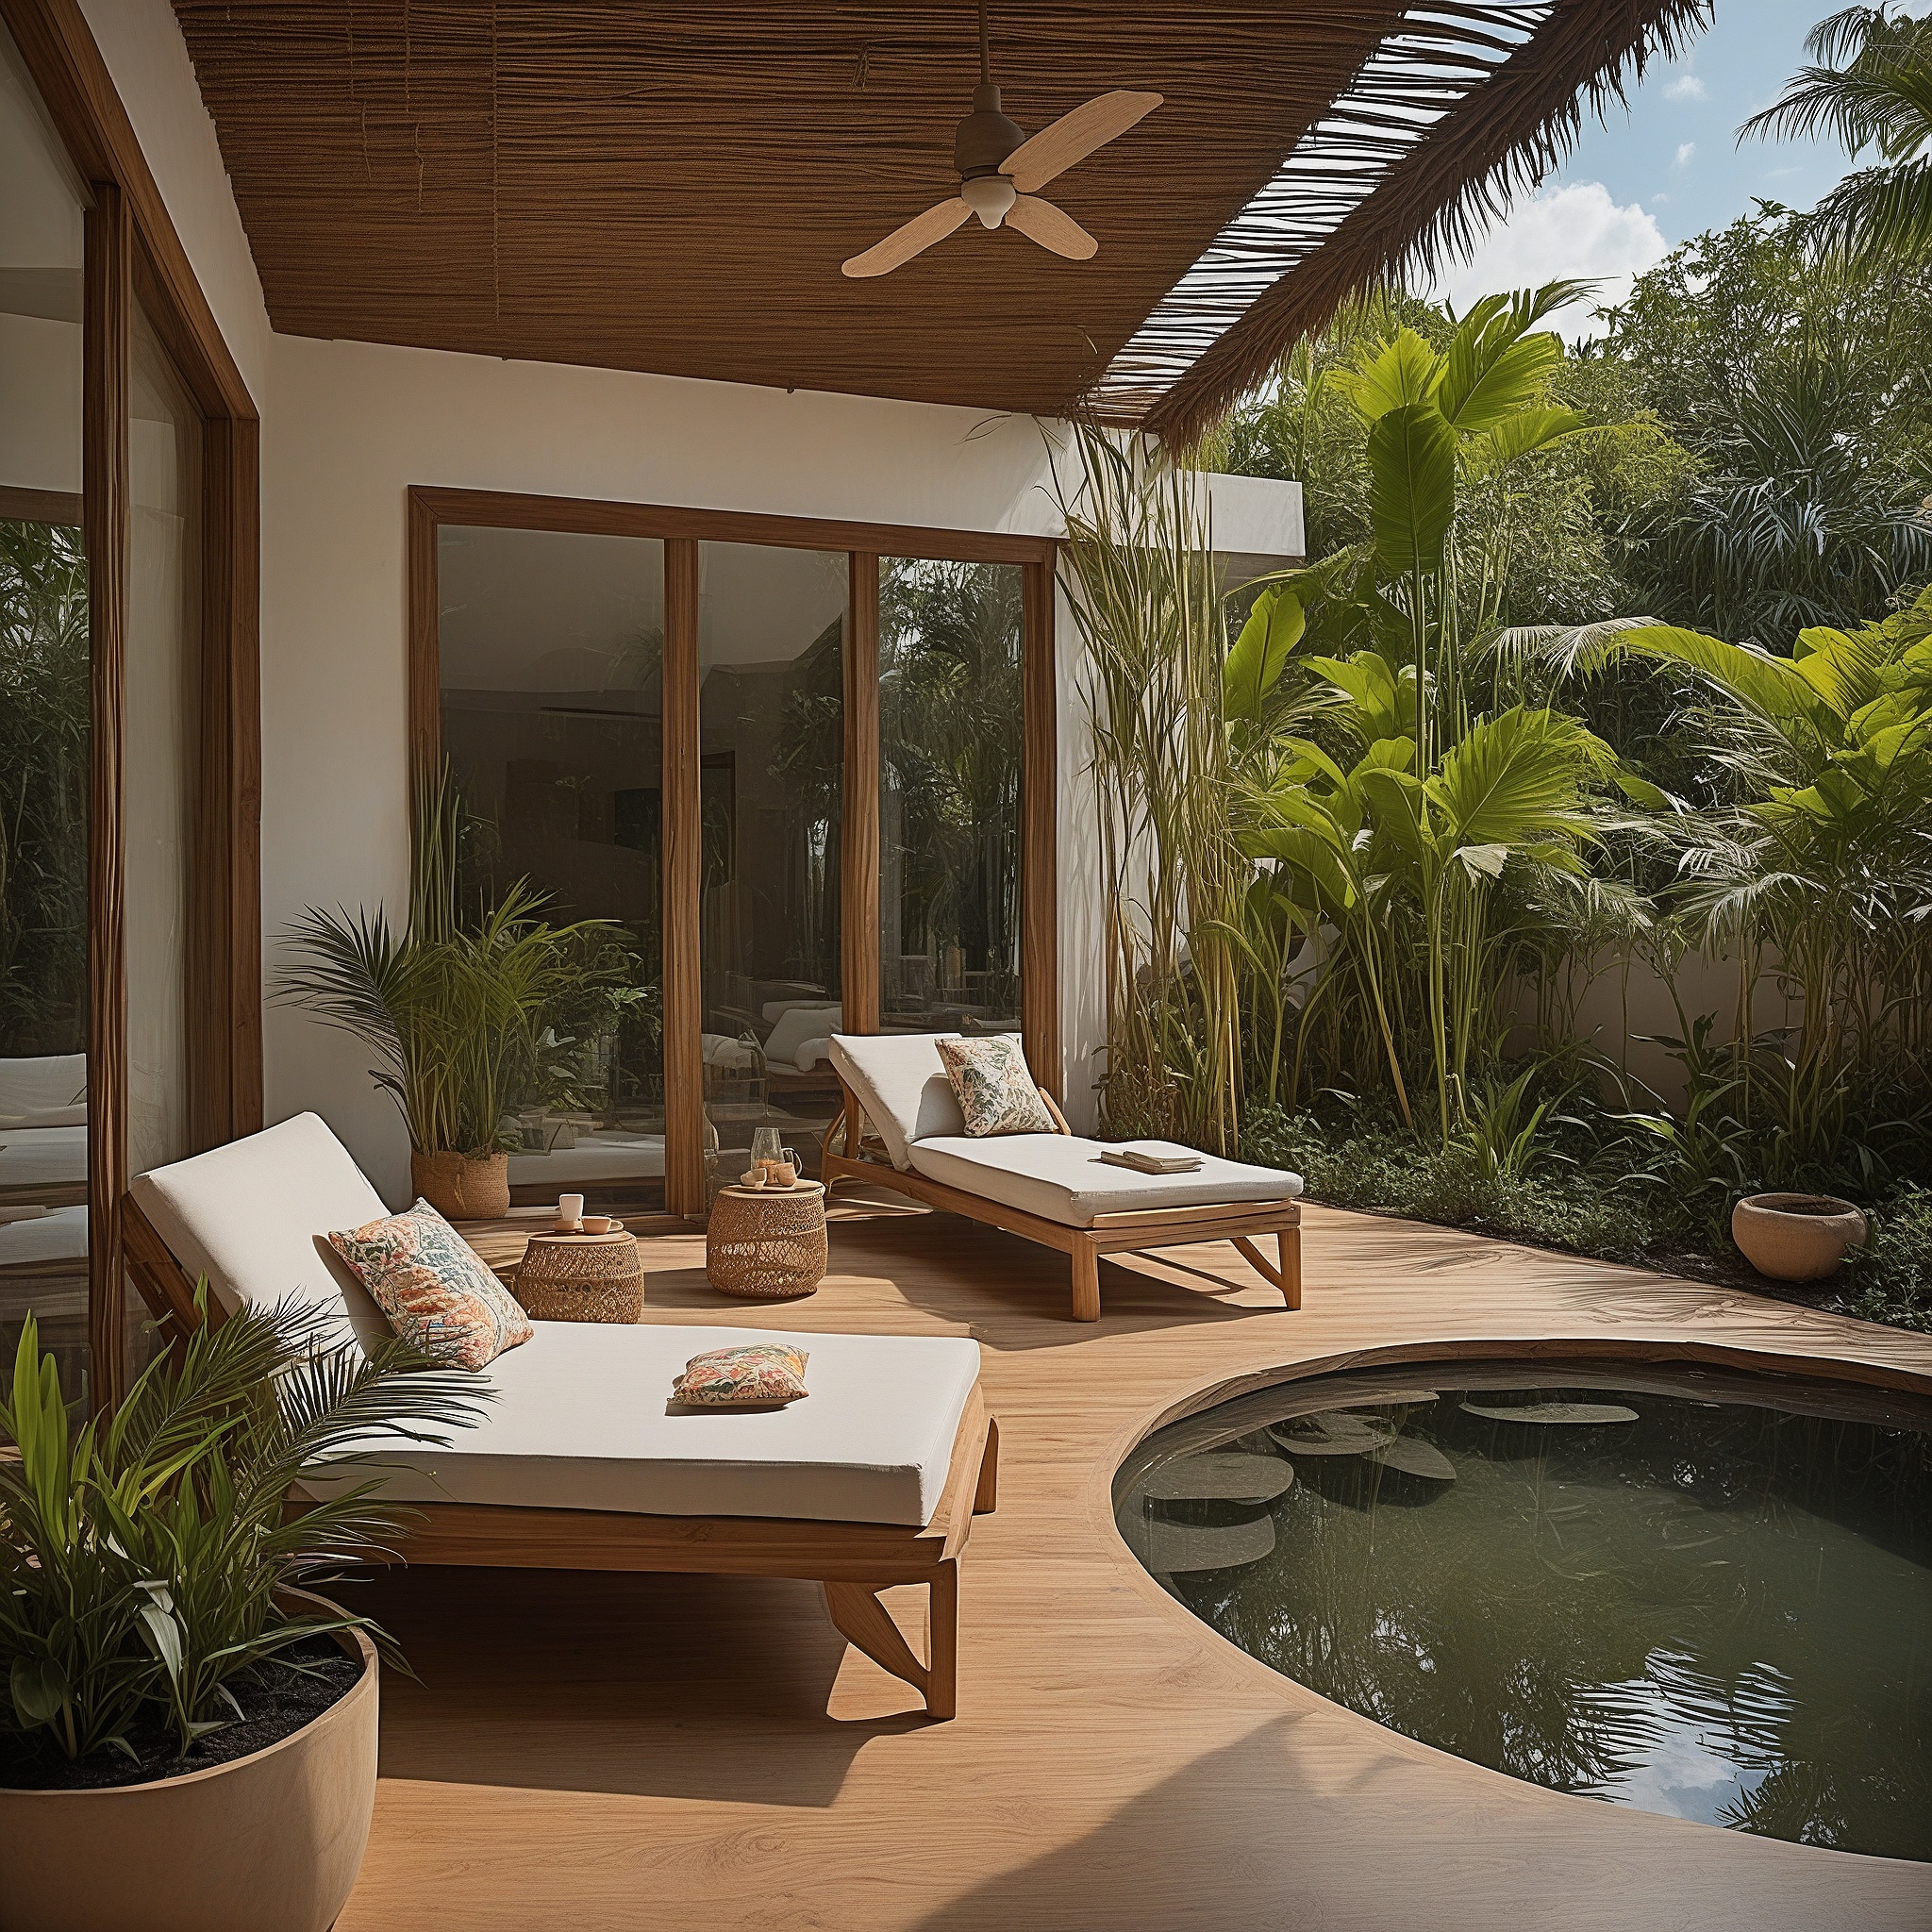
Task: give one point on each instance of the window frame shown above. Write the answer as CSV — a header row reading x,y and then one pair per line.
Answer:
x,y
431,509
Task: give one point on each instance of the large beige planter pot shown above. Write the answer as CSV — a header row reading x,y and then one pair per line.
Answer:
x,y
463,1187
1797,1237
267,1844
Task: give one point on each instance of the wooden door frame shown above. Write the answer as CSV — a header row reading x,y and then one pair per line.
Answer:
x,y
133,253
429,508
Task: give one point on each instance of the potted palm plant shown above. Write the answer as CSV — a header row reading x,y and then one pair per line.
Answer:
x,y
187,1735
459,1008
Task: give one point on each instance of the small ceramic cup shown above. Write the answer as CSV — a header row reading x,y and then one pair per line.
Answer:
x,y
570,1213
597,1224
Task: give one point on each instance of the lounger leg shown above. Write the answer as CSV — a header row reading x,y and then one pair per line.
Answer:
x,y
1086,1282
864,1622
942,1642
1288,1245
986,1495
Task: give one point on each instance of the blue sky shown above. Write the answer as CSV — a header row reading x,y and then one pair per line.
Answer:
x,y
1667,167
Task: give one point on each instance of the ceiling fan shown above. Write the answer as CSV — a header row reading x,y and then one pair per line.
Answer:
x,y
1000,167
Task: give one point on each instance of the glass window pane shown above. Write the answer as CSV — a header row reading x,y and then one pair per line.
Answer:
x,y
44,673
552,669
160,754
949,795
771,706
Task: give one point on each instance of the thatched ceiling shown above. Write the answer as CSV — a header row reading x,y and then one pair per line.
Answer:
x,y
672,187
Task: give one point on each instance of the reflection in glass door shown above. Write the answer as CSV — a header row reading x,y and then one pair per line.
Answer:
x,y
950,742
551,648
45,674
771,707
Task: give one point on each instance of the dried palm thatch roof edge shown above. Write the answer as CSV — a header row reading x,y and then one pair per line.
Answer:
x,y
1432,204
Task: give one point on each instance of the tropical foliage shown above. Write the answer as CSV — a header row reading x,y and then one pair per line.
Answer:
x,y
145,1557
1870,87
1464,778
44,789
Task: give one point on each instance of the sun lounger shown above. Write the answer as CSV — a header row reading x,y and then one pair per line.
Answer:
x,y
580,1462
902,1128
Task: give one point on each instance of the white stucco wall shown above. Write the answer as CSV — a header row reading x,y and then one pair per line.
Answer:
x,y
347,427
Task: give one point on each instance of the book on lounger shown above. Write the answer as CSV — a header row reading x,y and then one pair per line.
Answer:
x,y
1154,1160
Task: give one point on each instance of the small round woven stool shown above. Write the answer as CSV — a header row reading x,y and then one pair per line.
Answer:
x,y
767,1244
582,1277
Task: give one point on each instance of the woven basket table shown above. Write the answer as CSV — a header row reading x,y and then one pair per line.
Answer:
x,y
767,1244
582,1277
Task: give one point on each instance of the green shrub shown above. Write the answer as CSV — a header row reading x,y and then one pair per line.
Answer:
x,y
1890,1279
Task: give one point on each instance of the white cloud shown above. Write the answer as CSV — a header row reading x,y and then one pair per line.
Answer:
x,y
1572,232
1686,86
1685,150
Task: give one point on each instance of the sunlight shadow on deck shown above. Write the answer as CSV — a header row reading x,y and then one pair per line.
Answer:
x,y
724,1688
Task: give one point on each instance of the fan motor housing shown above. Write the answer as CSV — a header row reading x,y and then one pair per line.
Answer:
x,y
986,137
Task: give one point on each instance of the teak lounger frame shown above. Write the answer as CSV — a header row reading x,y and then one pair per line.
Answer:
x,y
1238,1222
852,1561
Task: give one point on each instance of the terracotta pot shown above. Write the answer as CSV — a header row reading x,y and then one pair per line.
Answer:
x,y
1797,1237
269,1843
462,1187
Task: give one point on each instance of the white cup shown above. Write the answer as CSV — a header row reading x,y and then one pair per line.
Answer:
x,y
570,1209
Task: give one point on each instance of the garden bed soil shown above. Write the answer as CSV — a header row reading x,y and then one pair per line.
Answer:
x,y
277,1699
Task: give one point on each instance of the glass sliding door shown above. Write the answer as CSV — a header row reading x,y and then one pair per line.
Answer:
x,y
45,682
950,742
551,656
770,707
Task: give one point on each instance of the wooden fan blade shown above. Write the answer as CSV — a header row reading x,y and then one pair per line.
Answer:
x,y
1074,136
1052,227
901,245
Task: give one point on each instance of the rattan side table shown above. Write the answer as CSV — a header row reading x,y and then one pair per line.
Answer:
x,y
767,1244
582,1277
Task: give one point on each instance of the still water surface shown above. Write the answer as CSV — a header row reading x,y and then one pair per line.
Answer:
x,y
1699,1593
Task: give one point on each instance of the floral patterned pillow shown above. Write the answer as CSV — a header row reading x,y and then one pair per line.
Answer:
x,y
996,1092
763,1374
434,1288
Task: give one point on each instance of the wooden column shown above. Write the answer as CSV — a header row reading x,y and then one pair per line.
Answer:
x,y
105,321
683,874
858,846
224,969
1040,976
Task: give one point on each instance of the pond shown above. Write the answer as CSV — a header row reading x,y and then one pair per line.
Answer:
x,y
1695,1592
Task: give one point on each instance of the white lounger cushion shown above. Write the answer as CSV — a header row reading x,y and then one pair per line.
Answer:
x,y
580,1421
42,1157
900,1081
251,1216
42,1085
1061,1177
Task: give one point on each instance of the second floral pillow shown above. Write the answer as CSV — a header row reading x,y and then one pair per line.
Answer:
x,y
995,1088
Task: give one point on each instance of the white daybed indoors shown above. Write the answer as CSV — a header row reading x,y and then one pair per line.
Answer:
x,y
1052,1187
580,1460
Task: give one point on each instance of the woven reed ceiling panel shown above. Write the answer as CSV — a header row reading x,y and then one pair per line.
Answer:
x,y
672,188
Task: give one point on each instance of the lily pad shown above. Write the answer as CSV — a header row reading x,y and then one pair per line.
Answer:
x,y
1412,1456
1580,1412
1337,1433
1176,1547
1219,1478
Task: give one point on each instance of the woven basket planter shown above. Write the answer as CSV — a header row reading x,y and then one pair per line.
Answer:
x,y
767,1244
582,1277
462,1187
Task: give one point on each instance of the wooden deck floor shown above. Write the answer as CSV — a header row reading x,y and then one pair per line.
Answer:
x,y
595,1752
